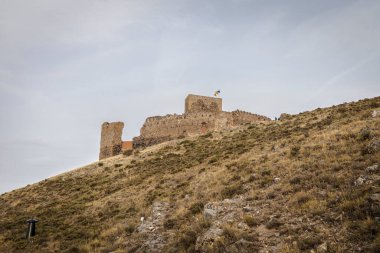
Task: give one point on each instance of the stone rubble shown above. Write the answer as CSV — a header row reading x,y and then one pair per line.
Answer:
x,y
151,226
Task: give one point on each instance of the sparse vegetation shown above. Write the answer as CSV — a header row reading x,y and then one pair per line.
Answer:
x,y
303,178
128,152
250,221
196,208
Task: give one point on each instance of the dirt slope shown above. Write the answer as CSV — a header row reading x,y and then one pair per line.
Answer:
x,y
308,183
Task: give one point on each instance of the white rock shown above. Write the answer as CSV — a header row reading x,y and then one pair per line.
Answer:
x,y
210,211
359,181
372,169
375,113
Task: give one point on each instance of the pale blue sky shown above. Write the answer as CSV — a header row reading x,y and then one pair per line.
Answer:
x,y
67,66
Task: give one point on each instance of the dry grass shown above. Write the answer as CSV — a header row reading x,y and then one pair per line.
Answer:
x,y
302,168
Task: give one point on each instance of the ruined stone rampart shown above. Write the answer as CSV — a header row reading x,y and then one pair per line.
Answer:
x,y
159,129
163,128
242,117
110,141
202,115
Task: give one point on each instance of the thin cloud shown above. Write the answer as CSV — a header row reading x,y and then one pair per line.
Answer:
x,y
339,77
68,66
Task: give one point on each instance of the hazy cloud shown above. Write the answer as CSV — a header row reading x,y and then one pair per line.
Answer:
x,y
67,66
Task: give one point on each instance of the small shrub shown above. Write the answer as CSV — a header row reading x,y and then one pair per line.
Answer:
x,y
230,191
150,197
208,135
250,221
266,181
231,233
364,134
315,207
294,151
290,249
235,178
204,223
187,239
252,178
169,223
213,160
266,172
375,247
74,249
271,195
295,180
196,208
301,198
370,148
364,229
130,228
128,152
355,208
273,223
100,164
308,242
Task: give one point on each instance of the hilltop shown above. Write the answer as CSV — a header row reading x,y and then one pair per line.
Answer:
x,y
309,182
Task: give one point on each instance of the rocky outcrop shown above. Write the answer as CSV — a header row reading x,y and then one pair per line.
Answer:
x,y
152,227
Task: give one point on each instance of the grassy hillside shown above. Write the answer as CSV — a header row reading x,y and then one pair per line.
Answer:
x,y
309,182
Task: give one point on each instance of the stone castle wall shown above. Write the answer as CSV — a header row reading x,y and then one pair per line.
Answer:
x,y
202,115
163,128
110,141
242,117
197,104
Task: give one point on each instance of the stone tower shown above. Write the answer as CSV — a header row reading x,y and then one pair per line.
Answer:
x,y
110,141
195,104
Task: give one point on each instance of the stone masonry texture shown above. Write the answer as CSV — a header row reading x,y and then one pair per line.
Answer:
x,y
202,115
110,141
197,104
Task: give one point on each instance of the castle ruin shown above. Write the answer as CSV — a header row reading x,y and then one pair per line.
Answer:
x,y
110,140
202,114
